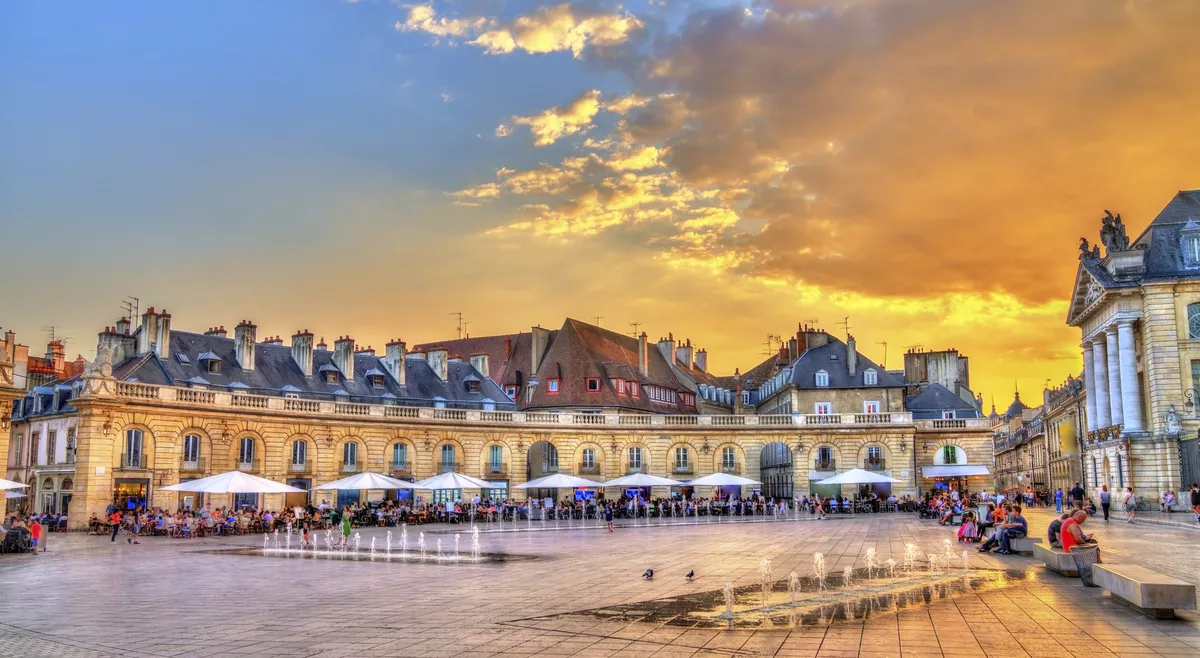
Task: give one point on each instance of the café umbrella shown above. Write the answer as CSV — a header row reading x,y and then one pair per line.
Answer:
x,y
452,480
9,484
858,476
722,480
642,480
559,481
366,481
232,482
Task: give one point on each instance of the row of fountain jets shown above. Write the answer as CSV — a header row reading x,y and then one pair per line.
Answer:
x,y
941,562
342,547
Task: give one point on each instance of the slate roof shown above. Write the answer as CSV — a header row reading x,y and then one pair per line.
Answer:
x,y
938,398
831,357
754,377
505,368
1164,257
1016,408
275,372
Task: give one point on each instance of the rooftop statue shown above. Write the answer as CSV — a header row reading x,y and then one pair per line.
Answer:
x,y
1112,233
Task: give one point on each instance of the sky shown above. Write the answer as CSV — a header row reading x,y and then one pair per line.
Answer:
x,y
920,170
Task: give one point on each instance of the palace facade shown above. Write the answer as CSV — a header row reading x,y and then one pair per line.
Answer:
x,y
160,406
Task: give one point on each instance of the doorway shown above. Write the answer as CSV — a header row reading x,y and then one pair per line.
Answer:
x,y
775,471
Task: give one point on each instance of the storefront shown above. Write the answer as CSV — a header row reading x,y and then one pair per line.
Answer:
x,y
952,477
446,495
245,501
130,494
190,500
297,499
685,492
348,497
498,491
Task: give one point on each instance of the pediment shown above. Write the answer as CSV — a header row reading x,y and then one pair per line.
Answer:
x,y
1088,290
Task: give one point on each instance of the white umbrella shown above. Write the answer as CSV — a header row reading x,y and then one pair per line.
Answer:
x,y
558,481
858,476
722,480
233,482
13,494
642,480
363,481
9,484
453,480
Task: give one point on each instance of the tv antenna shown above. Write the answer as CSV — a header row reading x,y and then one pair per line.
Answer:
x,y
52,332
812,322
769,346
461,325
884,343
635,326
845,325
132,308
596,319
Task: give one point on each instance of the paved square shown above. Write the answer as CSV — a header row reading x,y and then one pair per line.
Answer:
x,y
89,597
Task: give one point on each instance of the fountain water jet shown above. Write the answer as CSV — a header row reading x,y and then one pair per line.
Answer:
x,y
872,563
421,543
910,556
475,545
729,599
357,541
456,553
439,547
819,570
764,578
966,560
793,586
891,567
848,577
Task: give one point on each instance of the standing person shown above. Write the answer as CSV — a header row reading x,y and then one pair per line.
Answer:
x,y
1058,496
608,517
346,527
134,528
1105,501
1130,501
1196,501
1077,496
115,520
35,533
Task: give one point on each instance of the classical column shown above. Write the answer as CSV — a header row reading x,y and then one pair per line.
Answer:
x,y
1131,393
1100,370
1089,384
1114,377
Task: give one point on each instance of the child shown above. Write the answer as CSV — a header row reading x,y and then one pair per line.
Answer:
x,y
968,531
608,517
304,538
35,533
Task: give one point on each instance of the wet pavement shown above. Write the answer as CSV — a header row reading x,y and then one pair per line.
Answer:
x,y
582,595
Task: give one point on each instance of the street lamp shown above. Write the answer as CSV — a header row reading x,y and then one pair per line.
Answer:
x,y
1189,403
5,421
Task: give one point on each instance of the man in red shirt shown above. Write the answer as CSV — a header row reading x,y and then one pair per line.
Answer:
x,y
115,519
35,533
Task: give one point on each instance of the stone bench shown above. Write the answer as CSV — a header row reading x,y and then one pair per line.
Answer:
x,y
956,519
1056,559
1152,593
1024,545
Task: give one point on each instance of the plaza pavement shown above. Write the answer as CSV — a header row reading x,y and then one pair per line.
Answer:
x,y
88,597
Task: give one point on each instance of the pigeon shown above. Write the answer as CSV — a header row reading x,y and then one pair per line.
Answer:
x,y
690,575
649,574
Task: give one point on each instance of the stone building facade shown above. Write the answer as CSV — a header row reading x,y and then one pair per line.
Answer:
x,y
1065,419
1137,307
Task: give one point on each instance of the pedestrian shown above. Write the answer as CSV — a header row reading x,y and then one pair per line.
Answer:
x,y
1105,501
608,517
345,539
1058,496
1196,501
134,528
35,533
305,539
115,520
1077,496
1130,503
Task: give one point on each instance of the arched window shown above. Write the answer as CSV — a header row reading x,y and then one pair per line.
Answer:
x,y
191,448
447,457
246,451
133,447
728,459
68,484
48,484
299,452
400,457
635,458
682,459
589,459
1193,312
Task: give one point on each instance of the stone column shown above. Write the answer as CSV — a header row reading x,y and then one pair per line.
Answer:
x,y
1114,377
1089,384
1131,394
1100,370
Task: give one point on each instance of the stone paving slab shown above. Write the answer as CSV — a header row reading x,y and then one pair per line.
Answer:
x,y
90,597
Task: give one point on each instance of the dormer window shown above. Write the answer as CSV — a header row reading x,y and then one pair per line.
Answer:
x,y
210,362
331,377
593,384
377,381
552,387
1189,243
870,377
472,385
511,392
633,389
822,378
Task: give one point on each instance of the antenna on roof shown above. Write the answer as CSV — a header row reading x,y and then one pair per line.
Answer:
x,y
769,346
597,319
131,308
635,326
459,315
884,343
812,322
845,325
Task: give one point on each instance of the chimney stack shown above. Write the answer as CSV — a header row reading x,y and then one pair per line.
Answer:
x,y
851,355
162,338
302,351
793,347
393,360
643,355
217,332
244,343
322,346
507,348
149,331
343,356
480,363
683,354
438,362
122,326
702,360
120,342
538,344
667,347
274,340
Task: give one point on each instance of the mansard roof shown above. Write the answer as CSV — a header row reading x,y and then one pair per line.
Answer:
x,y
831,358
276,371
936,397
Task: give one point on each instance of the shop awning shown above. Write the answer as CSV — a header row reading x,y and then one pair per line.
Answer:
x,y
956,470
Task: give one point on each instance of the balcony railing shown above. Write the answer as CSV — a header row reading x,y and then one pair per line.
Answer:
x,y
135,461
401,468
446,467
631,468
350,467
250,466
877,464
495,469
733,468
824,464
195,465
300,467
589,469
549,468
682,469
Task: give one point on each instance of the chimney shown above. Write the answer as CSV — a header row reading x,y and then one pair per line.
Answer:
x,y
538,344
243,344
643,355
793,348
667,347
302,351
322,346
217,332
56,355
702,361
122,326
737,391
480,363
815,338
851,355
163,339
438,362
343,356
121,343
365,351
149,331
393,360
274,340
683,354
507,348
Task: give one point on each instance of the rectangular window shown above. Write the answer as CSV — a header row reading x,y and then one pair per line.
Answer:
x,y
822,378
589,458
874,453
728,458
191,448
681,457
1196,375
299,452
291,396
511,392
552,387
822,408
870,407
593,384
633,388
495,456
51,446
948,414
635,458
399,455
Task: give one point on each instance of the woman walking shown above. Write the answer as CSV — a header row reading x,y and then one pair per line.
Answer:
x,y
1130,503
1105,501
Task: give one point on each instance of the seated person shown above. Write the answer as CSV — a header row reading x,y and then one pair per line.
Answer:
x,y
1055,528
1014,527
1072,534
